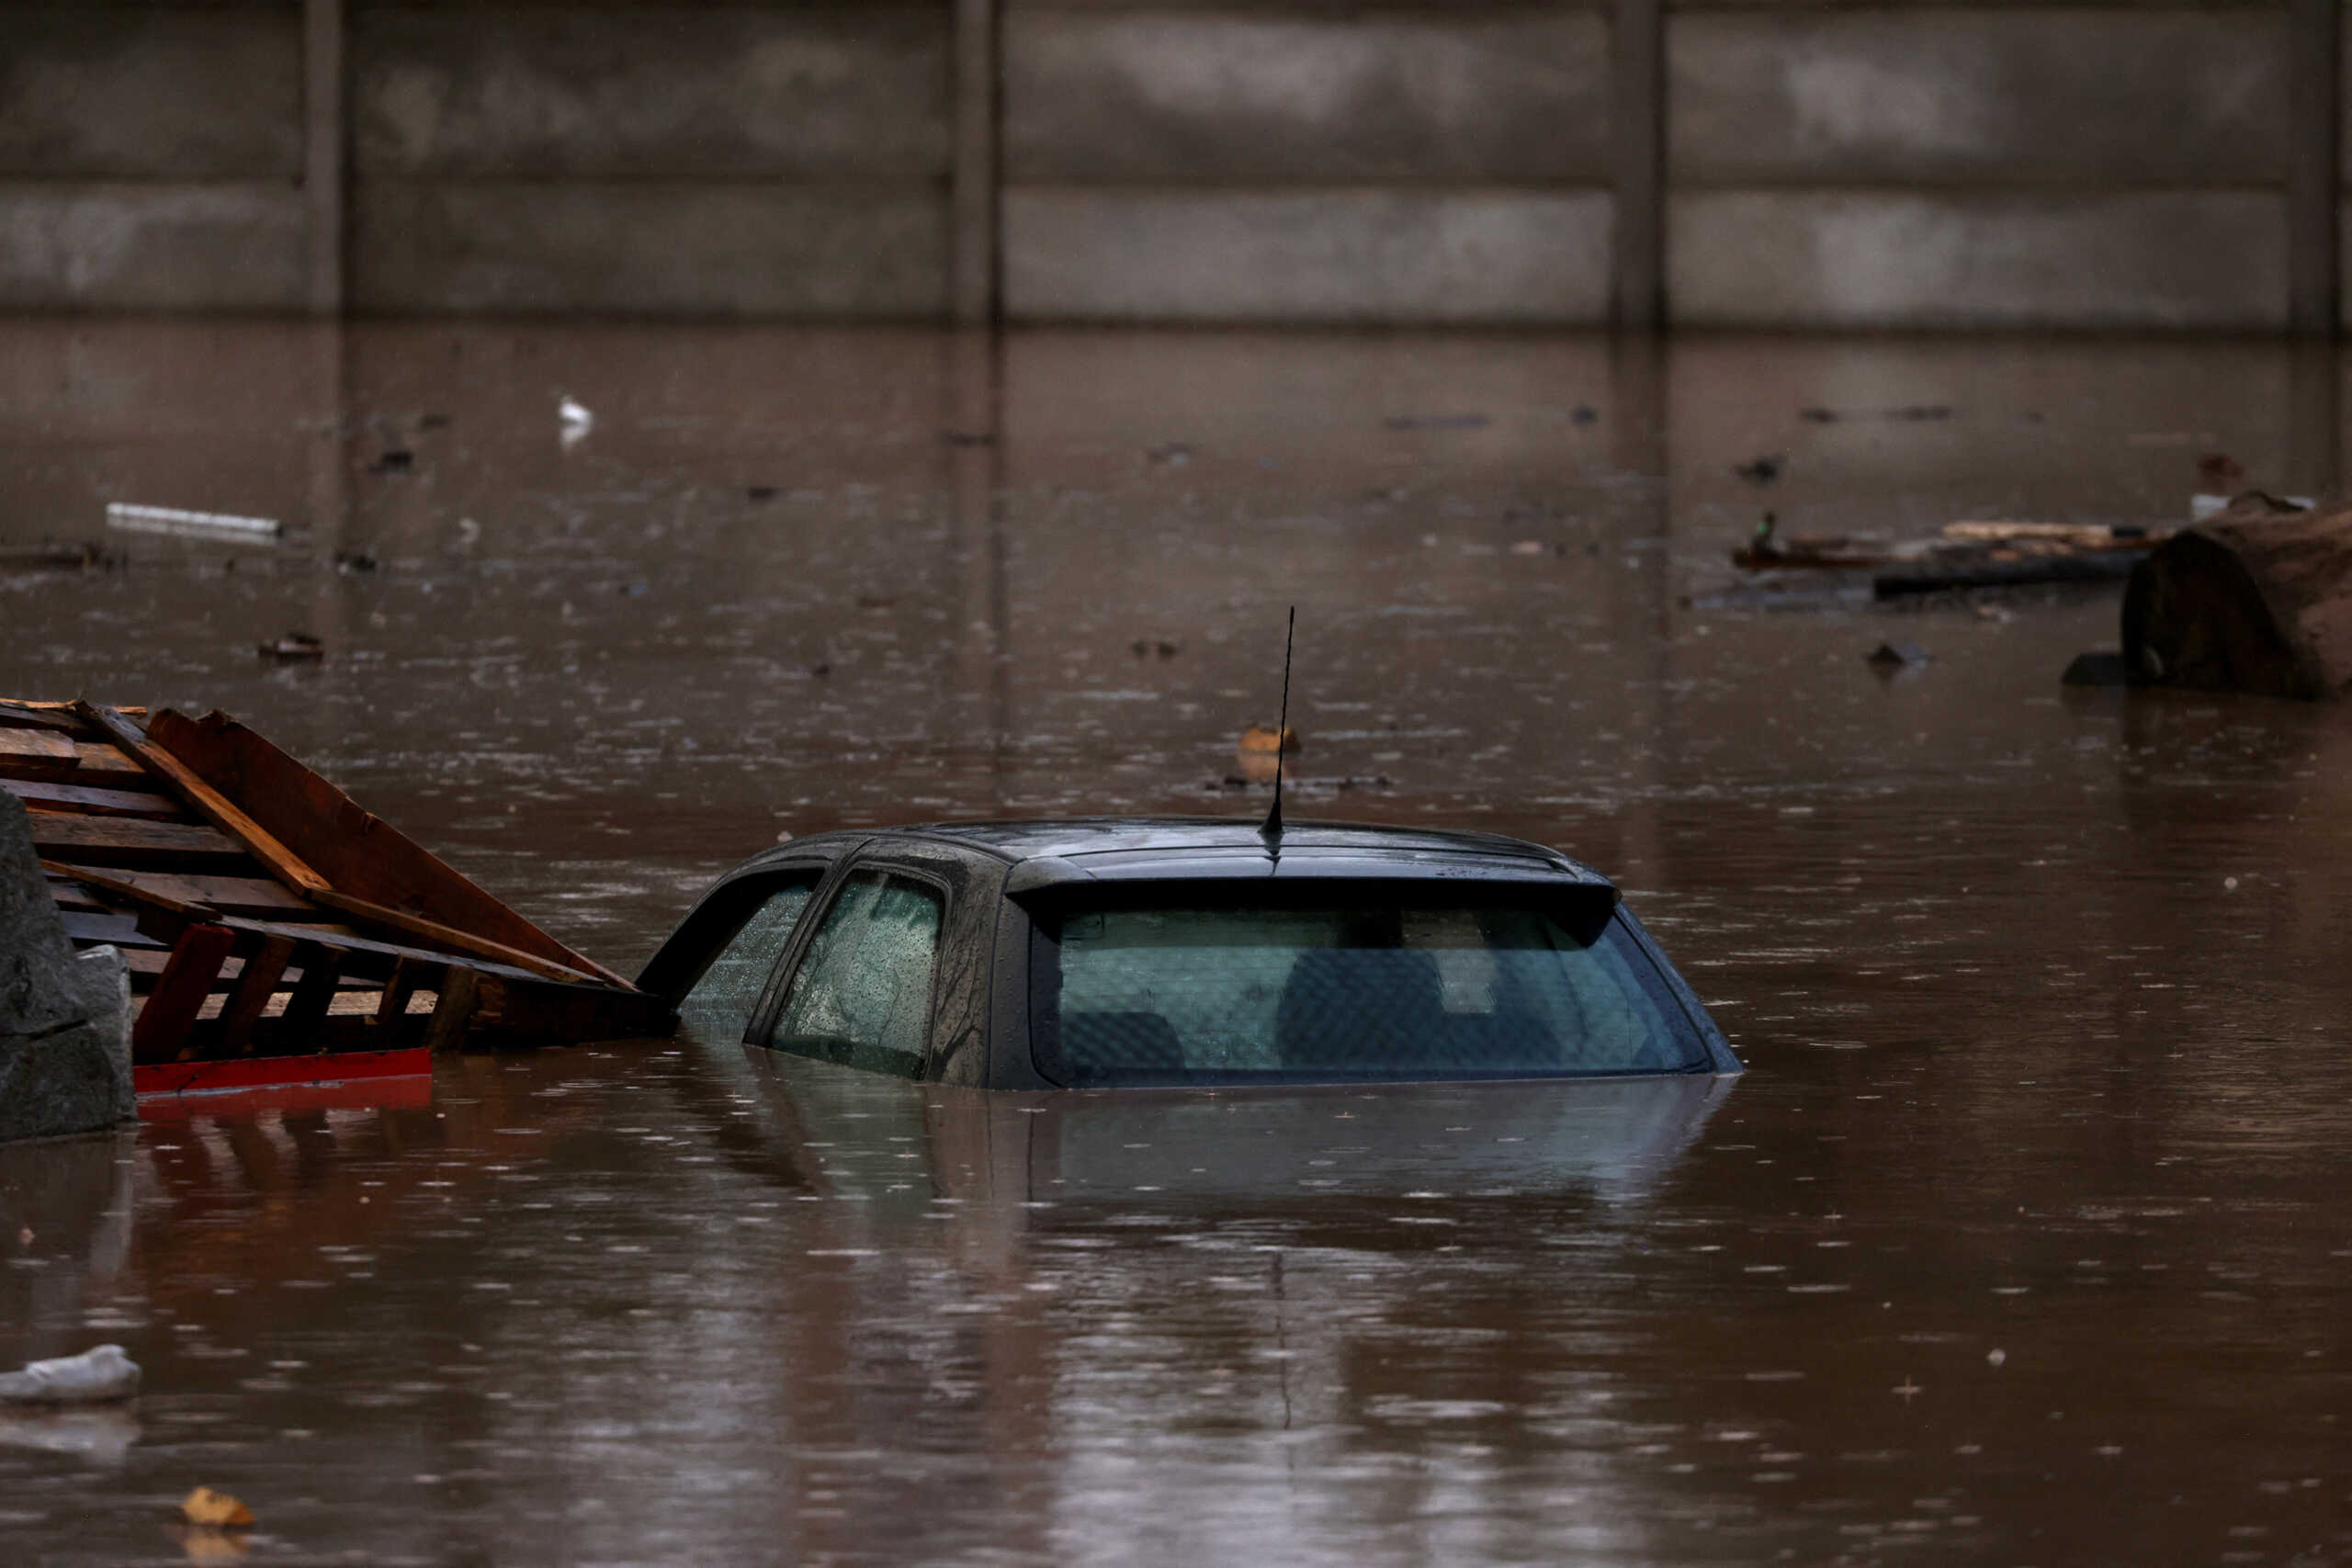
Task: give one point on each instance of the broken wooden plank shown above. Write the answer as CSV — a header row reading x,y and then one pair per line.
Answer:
x,y
356,853
161,1031
42,795
16,715
321,978
406,978
223,814
453,1010
128,841
449,936
48,757
363,955
228,894
39,754
264,971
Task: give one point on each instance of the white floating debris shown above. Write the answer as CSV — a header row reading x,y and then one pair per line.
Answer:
x,y
576,419
199,525
92,1377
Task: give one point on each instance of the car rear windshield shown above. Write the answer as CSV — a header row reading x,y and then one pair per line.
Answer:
x,y
1350,985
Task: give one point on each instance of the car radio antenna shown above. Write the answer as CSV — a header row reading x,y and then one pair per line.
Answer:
x,y
1271,828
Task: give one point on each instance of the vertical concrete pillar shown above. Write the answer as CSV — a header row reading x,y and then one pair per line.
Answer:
x,y
1637,127
1641,618
330,509
972,266
2313,163
322,160
975,482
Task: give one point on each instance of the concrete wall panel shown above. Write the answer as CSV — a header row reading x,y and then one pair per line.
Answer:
x,y
115,94
2015,96
649,249
132,247
723,92
1509,96
1349,255
1834,259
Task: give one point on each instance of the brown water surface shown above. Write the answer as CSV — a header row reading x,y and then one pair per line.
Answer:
x,y
2025,1241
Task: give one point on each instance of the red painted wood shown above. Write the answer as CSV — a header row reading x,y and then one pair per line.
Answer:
x,y
166,1082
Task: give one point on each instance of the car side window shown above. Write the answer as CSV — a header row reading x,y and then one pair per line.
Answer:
x,y
862,994
719,1004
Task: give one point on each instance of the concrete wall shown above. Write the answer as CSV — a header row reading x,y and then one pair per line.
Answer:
x,y
148,157
1317,164
2105,163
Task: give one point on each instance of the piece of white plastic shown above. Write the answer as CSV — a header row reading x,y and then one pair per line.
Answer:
x,y
196,525
94,1377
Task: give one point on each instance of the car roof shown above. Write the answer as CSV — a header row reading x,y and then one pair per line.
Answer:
x,y
1047,852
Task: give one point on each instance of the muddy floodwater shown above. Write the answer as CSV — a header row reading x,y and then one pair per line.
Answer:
x,y
2025,1240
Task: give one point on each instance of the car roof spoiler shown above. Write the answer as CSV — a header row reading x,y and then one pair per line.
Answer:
x,y
1046,874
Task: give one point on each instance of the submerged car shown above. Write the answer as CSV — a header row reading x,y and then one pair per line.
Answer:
x,y
1096,954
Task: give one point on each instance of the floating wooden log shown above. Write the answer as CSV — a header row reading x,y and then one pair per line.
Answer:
x,y
2253,600
275,931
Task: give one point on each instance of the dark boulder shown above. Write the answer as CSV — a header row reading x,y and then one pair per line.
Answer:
x,y
64,1016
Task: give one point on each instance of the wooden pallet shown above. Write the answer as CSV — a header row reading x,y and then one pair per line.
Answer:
x,y
269,922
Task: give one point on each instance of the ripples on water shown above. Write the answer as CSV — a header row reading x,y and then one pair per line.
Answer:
x,y
2024,1242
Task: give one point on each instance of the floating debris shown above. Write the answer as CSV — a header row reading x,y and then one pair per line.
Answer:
x,y
101,1375
191,524
295,648
207,1509
2256,601
48,557
1899,654
573,421
1975,553
275,931
1762,470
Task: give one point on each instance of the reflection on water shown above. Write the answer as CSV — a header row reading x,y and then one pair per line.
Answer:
x,y
2024,1241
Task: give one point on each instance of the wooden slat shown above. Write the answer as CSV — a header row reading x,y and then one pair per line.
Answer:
x,y
69,895
362,856
127,841
453,1010
120,887
439,935
28,716
211,803
365,957
146,963
103,763
321,975
264,970
406,978
42,794
37,754
228,894
160,1033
